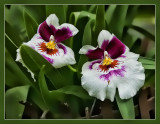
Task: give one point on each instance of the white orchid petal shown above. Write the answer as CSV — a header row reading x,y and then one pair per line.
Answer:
x,y
33,43
96,86
128,76
19,59
71,27
63,58
52,19
104,39
85,49
132,81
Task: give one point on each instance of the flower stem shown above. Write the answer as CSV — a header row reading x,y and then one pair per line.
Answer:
x,y
43,116
94,102
72,69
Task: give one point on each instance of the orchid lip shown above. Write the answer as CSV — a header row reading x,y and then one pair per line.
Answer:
x,y
107,63
51,44
50,47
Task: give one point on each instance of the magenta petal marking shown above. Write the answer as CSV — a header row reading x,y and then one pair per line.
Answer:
x,y
94,62
115,48
45,31
104,44
48,59
118,72
95,54
62,47
63,34
53,28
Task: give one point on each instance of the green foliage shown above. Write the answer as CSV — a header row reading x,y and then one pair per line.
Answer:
x,y
58,10
55,98
38,12
115,16
30,24
147,63
126,107
13,74
54,87
99,23
52,99
14,109
75,90
31,56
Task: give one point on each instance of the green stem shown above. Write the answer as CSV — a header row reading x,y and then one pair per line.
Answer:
x,y
72,69
43,116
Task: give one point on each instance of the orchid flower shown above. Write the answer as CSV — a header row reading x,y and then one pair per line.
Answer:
x,y
114,66
47,42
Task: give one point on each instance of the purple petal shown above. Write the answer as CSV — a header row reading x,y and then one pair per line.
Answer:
x,y
95,54
48,59
94,62
104,44
62,47
63,34
115,48
46,31
118,72
53,29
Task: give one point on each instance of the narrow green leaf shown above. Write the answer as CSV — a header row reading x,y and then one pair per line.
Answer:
x,y
83,18
126,107
136,46
74,105
59,10
87,39
131,13
30,24
100,23
38,12
149,78
13,75
74,17
116,21
34,62
74,8
13,35
92,9
52,98
151,67
147,63
15,12
13,97
35,96
10,46
76,91
129,40
109,13
143,31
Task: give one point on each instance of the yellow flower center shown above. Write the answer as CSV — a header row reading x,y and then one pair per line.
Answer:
x,y
51,45
107,61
